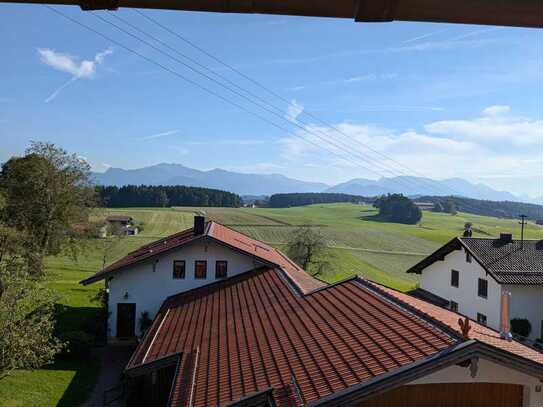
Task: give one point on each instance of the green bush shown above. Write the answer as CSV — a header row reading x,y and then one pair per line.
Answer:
x,y
79,344
521,326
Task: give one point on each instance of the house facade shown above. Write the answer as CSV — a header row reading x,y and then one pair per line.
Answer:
x,y
492,281
207,253
237,323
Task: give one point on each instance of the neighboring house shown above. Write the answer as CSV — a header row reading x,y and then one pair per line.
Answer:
x,y
237,323
207,253
489,280
120,224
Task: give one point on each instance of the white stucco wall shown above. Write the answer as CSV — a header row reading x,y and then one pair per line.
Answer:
x,y
489,372
527,302
148,289
436,278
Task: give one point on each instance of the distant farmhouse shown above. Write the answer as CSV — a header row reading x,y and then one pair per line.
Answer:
x,y
119,224
490,280
237,323
425,206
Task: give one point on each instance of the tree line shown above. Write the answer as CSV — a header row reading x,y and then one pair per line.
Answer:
x,y
165,196
310,198
497,209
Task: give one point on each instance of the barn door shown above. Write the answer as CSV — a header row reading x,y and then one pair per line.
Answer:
x,y
126,320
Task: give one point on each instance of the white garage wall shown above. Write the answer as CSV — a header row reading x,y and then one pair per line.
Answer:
x,y
148,289
436,278
489,372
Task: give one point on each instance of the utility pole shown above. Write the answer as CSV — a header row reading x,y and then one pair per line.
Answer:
x,y
522,224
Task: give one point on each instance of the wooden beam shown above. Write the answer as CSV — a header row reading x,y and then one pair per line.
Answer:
x,y
520,13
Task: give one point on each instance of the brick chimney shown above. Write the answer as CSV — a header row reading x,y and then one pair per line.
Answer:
x,y
505,324
199,225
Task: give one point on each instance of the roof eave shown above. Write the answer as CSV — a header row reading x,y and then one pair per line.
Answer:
x,y
409,373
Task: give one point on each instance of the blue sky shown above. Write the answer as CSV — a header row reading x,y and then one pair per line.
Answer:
x,y
444,100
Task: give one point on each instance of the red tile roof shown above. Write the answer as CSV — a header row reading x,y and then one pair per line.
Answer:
x,y
253,332
478,332
224,235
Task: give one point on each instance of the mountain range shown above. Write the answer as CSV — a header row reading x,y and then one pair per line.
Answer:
x,y
267,184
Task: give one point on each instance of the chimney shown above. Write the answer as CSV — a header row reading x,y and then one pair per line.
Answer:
x,y
505,325
199,225
506,237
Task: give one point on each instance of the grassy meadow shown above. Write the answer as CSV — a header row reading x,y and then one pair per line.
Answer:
x,y
359,243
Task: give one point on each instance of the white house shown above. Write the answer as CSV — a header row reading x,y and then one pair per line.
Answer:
x,y
209,252
489,280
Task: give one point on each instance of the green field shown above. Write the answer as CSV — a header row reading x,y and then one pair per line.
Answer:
x,y
359,244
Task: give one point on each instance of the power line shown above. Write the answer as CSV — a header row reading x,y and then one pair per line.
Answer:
x,y
210,91
194,83
397,180
278,96
274,110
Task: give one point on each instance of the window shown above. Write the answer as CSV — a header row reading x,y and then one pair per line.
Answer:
x,y
468,257
482,289
455,278
200,269
221,269
178,269
481,318
454,306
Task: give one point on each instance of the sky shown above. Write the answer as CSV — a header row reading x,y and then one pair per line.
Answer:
x,y
348,100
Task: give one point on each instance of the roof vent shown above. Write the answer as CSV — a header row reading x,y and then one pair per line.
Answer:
x,y
506,237
199,225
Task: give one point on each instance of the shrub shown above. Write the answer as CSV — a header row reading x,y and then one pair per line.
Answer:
x,y
521,326
79,344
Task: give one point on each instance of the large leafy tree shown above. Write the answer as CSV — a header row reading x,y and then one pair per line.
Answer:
x,y
307,247
46,193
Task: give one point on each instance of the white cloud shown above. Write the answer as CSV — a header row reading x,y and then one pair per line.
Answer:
x,y
487,146
496,110
85,69
294,111
496,129
159,135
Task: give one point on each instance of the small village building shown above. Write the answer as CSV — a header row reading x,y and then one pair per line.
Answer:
x,y
237,323
490,280
119,224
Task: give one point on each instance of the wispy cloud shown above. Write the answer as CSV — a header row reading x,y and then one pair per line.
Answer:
x,y
85,69
294,110
159,135
424,36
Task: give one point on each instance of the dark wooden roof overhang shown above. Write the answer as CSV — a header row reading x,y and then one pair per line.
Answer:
x,y
518,13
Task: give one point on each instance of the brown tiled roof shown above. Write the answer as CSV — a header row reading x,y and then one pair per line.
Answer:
x,y
478,332
254,332
507,263
224,235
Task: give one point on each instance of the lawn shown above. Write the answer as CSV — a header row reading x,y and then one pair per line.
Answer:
x,y
358,244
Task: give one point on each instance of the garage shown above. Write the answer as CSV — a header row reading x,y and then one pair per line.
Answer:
x,y
450,395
